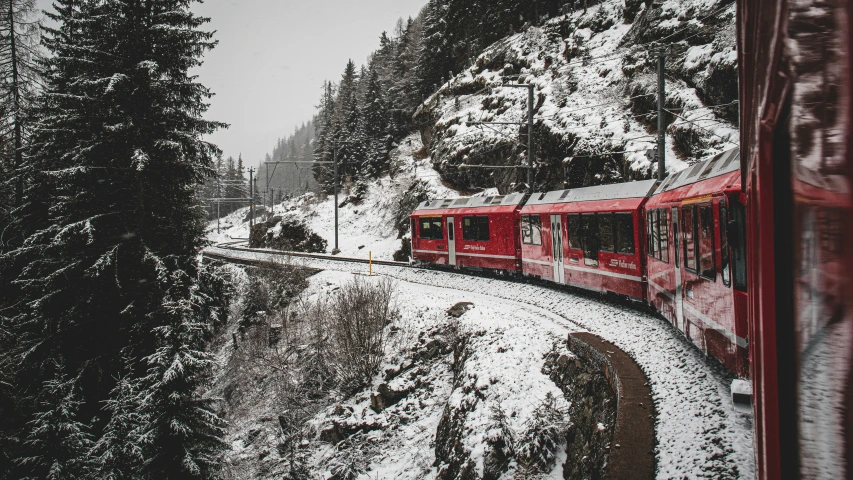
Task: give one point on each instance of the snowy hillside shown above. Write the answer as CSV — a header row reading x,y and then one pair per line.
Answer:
x,y
367,227
595,96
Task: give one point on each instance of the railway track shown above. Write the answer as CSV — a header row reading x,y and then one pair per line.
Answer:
x,y
682,380
318,256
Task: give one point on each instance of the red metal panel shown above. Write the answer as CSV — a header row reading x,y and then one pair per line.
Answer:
x,y
616,273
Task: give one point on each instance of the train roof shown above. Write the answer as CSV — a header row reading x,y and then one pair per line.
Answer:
x,y
720,164
614,191
471,202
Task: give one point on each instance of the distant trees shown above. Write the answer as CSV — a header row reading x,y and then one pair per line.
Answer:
x,y
106,281
20,78
365,112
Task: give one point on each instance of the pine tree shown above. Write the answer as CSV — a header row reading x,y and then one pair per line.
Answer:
x,y
57,442
19,58
118,454
182,434
323,152
109,203
374,126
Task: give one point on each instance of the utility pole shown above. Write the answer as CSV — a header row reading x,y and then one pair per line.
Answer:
x,y
335,161
336,250
661,119
251,203
531,155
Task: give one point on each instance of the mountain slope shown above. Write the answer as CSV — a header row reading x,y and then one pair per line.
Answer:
x,y
595,97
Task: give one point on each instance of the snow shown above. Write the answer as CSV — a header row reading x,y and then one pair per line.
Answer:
x,y
593,114
700,433
364,228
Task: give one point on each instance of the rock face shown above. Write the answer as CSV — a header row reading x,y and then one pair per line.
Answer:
x,y
600,60
592,411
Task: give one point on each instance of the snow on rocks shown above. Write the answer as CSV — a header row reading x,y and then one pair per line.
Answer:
x,y
699,432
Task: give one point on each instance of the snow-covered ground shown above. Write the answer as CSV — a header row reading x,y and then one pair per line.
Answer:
x,y
699,432
364,228
596,90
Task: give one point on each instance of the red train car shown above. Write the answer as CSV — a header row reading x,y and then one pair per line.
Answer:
x,y
589,237
468,232
695,255
794,66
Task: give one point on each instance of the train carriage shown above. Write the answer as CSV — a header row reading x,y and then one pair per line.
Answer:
x,y
695,257
587,237
796,103
468,232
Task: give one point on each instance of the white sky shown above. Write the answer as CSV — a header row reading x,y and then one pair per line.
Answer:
x,y
273,55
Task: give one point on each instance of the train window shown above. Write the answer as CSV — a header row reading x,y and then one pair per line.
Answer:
x,y
650,228
623,225
605,232
707,266
663,255
591,239
656,233
531,229
689,228
737,241
431,228
725,270
575,232
475,228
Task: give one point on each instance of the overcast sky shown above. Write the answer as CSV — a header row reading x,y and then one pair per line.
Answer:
x,y
273,55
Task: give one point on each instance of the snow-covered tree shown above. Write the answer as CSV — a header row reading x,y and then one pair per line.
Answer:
x,y
182,435
109,209
57,443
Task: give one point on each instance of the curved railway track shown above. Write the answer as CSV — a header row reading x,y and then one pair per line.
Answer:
x,y
699,433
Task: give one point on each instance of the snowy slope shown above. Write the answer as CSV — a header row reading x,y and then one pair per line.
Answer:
x,y
595,106
700,434
364,228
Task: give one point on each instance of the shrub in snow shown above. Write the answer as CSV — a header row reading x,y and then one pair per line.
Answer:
x,y
545,432
287,233
405,251
357,316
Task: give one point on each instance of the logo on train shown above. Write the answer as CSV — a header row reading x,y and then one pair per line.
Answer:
x,y
474,247
622,264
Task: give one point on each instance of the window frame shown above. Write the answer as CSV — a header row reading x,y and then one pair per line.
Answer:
x,y
616,234
663,235
699,237
432,222
588,260
725,255
528,219
576,232
609,218
694,268
650,245
478,223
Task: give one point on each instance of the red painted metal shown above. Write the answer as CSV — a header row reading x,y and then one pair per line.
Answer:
x,y
794,65
713,315
500,252
620,273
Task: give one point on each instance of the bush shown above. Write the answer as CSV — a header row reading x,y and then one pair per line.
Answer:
x,y
287,233
357,317
405,251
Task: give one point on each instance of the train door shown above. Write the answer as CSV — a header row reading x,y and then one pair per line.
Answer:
x,y
679,289
451,242
557,249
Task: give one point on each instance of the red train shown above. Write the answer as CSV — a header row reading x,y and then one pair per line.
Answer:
x,y
794,66
678,245
748,253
